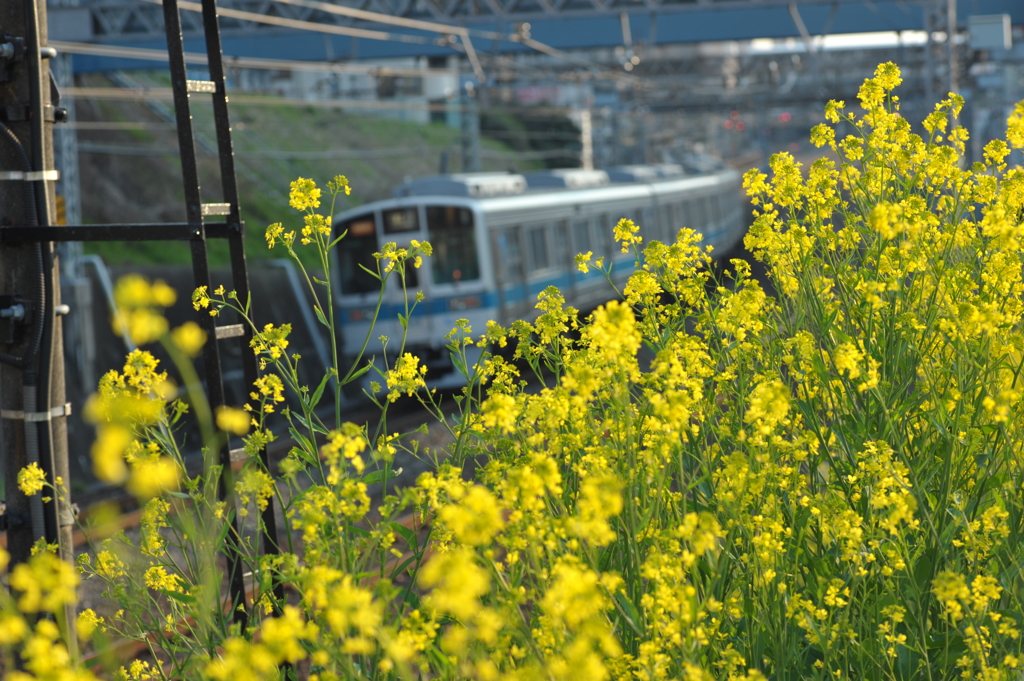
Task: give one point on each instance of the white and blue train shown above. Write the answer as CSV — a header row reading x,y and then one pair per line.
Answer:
x,y
499,239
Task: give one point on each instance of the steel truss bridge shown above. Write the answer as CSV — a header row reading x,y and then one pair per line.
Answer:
x,y
375,29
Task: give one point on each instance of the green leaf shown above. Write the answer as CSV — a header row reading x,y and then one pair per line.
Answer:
x,y
302,441
318,393
399,569
459,365
628,611
320,316
411,597
370,272
180,597
310,425
375,476
358,531
405,533
923,572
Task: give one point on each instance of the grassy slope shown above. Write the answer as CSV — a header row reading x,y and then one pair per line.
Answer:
x,y
148,188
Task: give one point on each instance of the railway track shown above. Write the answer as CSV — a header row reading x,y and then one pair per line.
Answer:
x,y
404,420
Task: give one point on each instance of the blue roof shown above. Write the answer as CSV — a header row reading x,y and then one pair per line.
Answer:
x,y
568,33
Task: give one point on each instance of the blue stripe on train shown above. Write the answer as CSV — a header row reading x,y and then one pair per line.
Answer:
x,y
485,299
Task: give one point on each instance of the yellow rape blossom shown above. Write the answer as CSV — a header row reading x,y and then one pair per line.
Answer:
x,y
231,420
407,376
190,337
31,479
304,194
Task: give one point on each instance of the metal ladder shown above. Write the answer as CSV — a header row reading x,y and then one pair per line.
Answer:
x,y
196,211
196,230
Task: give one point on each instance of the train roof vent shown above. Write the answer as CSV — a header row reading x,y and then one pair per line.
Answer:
x,y
568,178
476,185
633,174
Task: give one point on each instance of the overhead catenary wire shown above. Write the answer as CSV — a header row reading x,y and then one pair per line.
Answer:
x,y
377,17
339,30
285,22
260,63
322,155
445,29
148,54
463,32
165,93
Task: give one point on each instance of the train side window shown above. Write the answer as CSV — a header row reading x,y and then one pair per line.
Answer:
x,y
602,236
452,235
580,236
509,255
725,205
561,243
675,222
668,223
412,275
400,220
648,223
700,214
713,209
537,239
356,249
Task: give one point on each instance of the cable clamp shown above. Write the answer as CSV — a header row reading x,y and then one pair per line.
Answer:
x,y
36,416
33,176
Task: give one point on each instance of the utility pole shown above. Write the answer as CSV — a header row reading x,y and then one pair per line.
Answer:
x,y
586,139
33,420
470,130
941,59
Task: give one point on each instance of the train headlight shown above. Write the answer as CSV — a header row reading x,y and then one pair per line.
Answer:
x,y
359,315
464,303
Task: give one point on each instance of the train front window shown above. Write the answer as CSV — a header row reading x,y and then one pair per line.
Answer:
x,y
453,238
401,220
357,248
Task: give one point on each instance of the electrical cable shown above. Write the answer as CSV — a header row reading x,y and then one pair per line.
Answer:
x,y
30,400
39,301
44,520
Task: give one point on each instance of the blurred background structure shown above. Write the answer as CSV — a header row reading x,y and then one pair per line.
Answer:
x,y
384,89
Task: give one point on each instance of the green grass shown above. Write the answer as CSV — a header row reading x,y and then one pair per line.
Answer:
x,y
262,180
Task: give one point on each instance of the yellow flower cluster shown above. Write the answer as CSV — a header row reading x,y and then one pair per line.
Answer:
x,y
407,376
139,306
817,479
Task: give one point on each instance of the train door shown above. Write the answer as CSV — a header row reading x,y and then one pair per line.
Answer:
x,y
714,218
358,288
649,226
700,214
509,271
664,223
562,255
456,274
580,243
401,226
601,236
540,259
